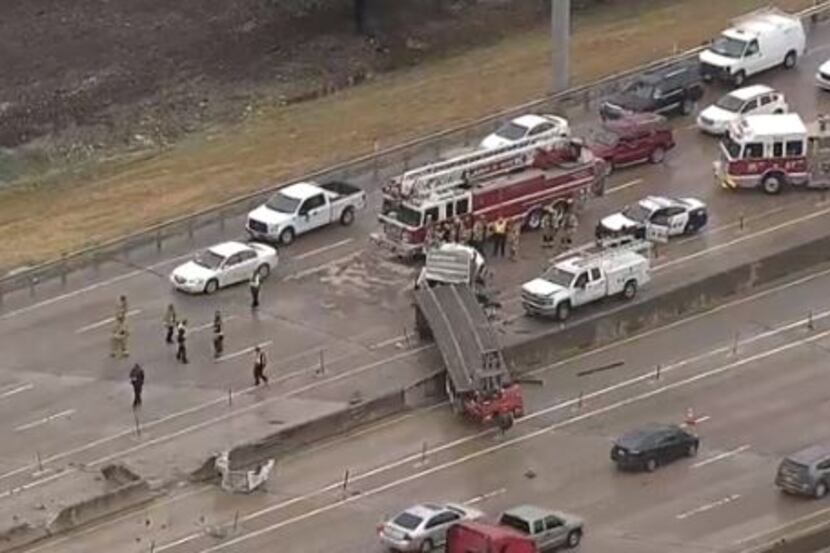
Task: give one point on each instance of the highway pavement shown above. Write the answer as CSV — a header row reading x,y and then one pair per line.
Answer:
x,y
754,400
335,319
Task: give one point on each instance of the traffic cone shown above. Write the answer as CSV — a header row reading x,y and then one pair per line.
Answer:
x,y
691,420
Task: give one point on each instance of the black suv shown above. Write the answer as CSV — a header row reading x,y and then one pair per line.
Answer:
x,y
673,89
653,445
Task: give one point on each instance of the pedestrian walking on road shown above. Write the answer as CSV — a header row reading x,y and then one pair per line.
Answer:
x,y
169,323
118,342
260,362
181,339
499,237
256,284
547,230
137,381
121,309
515,238
218,337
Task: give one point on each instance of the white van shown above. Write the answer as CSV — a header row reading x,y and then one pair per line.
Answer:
x,y
756,42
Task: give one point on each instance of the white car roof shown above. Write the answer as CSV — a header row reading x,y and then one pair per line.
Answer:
x,y
300,190
781,124
227,249
749,92
653,203
760,23
531,120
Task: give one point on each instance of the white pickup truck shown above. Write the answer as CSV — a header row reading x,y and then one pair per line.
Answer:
x,y
579,280
305,206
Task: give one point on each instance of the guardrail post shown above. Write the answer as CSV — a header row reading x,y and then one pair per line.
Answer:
x,y
63,269
158,240
586,101
222,220
405,161
32,282
190,229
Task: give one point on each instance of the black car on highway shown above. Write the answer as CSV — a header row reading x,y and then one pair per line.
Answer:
x,y
673,89
653,445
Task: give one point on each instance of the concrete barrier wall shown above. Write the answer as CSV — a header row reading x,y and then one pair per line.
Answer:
x,y
814,539
295,437
647,312
105,504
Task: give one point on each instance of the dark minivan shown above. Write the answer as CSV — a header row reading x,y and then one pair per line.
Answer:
x,y
653,445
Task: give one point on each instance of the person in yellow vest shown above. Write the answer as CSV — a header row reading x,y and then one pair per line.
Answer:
x,y
499,237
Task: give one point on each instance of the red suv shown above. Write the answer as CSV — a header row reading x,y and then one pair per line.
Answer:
x,y
634,138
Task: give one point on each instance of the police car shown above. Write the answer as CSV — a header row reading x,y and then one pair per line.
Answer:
x,y
671,216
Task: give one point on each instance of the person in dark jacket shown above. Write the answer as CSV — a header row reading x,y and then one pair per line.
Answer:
x,y
137,381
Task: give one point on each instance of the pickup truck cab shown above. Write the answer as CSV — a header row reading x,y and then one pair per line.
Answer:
x,y
302,207
580,280
755,42
548,529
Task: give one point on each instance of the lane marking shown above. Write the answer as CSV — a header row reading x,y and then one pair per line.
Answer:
x,y
721,456
334,262
623,186
44,420
249,349
392,340
323,249
89,288
225,319
709,506
15,391
485,496
497,447
104,322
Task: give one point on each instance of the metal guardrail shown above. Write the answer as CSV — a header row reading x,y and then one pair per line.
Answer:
x,y
584,95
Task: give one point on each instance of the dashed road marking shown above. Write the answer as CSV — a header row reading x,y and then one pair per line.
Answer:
x,y
721,456
323,249
44,420
709,506
105,322
15,391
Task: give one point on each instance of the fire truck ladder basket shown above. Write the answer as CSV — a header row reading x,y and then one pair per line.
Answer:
x,y
446,175
465,338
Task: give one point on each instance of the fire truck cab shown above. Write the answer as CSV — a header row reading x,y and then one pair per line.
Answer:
x,y
773,152
515,181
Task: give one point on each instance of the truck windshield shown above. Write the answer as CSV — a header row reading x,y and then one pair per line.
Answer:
x,y
558,276
729,47
641,89
283,203
732,148
515,522
729,103
406,215
637,213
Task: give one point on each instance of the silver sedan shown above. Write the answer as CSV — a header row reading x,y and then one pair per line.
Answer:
x,y
423,527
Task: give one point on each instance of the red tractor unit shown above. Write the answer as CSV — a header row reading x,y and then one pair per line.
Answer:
x,y
516,181
448,309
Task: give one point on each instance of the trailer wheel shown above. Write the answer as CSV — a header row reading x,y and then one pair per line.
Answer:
x,y
505,421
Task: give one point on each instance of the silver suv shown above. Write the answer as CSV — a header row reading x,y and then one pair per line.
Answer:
x,y
806,472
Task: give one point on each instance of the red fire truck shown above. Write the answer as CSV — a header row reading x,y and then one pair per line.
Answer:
x,y
774,151
516,181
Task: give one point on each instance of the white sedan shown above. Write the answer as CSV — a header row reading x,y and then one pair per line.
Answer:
x,y
525,126
224,264
666,216
749,100
823,75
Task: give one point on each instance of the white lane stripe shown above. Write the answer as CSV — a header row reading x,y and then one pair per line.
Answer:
x,y
15,391
207,325
709,506
721,456
89,288
623,186
485,496
249,349
323,266
388,341
104,322
323,249
502,445
44,420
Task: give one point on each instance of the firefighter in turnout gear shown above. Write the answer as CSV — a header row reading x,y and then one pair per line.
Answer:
x,y
514,237
547,230
218,337
571,222
464,231
478,234
121,309
118,341
169,323
499,237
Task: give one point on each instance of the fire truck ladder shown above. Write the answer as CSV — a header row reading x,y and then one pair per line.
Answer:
x,y
465,338
445,175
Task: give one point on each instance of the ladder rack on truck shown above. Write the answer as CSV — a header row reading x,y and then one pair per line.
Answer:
x,y
477,376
